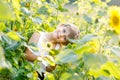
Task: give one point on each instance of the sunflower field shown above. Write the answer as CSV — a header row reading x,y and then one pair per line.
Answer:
x,y
94,56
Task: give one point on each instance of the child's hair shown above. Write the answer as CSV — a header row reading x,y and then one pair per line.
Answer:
x,y
73,32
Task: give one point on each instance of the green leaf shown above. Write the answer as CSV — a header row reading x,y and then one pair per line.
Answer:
x,y
94,60
3,63
73,40
16,7
62,9
2,26
112,68
50,76
87,38
13,35
88,19
13,46
6,39
116,50
26,11
37,20
4,74
66,56
65,76
6,12
16,4
102,78
101,13
29,75
82,49
43,10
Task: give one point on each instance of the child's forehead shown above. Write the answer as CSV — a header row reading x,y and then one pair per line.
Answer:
x,y
64,27
67,27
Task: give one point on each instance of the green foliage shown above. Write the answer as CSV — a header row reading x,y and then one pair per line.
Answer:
x,y
94,56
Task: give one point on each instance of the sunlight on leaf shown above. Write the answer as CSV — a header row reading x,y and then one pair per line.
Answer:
x,y
65,76
94,60
50,76
95,46
66,57
13,35
116,50
36,20
16,6
88,37
5,11
26,11
2,26
112,68
82,49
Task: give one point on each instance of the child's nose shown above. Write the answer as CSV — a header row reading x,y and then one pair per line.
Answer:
x,y
62,34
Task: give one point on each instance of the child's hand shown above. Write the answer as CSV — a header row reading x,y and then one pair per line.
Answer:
x,y
51,62
50,68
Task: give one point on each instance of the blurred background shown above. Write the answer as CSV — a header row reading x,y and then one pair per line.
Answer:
x,y
112,2
72,7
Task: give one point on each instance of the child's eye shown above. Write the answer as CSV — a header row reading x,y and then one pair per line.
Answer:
x,y
64,30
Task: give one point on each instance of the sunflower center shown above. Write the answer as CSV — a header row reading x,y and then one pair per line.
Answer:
x,y
115,20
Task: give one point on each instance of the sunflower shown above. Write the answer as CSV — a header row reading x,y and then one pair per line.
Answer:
x,y
115,18
47,46
94,46
96,1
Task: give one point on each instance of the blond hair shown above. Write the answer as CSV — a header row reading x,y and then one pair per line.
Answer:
x,y
73,32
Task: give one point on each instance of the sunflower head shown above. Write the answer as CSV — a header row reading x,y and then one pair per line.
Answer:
x,y
94,46
114,12
96,1
47,46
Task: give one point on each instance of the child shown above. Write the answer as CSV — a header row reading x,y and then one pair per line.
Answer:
x,y
57,38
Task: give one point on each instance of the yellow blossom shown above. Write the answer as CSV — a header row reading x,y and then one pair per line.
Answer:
x,y
47,46
112,68
114,12
50,76
96,1
35,75
94,46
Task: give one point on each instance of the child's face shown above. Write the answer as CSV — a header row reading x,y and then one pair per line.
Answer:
x,y
61,34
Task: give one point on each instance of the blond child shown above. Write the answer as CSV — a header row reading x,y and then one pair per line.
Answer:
x,y
60,36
